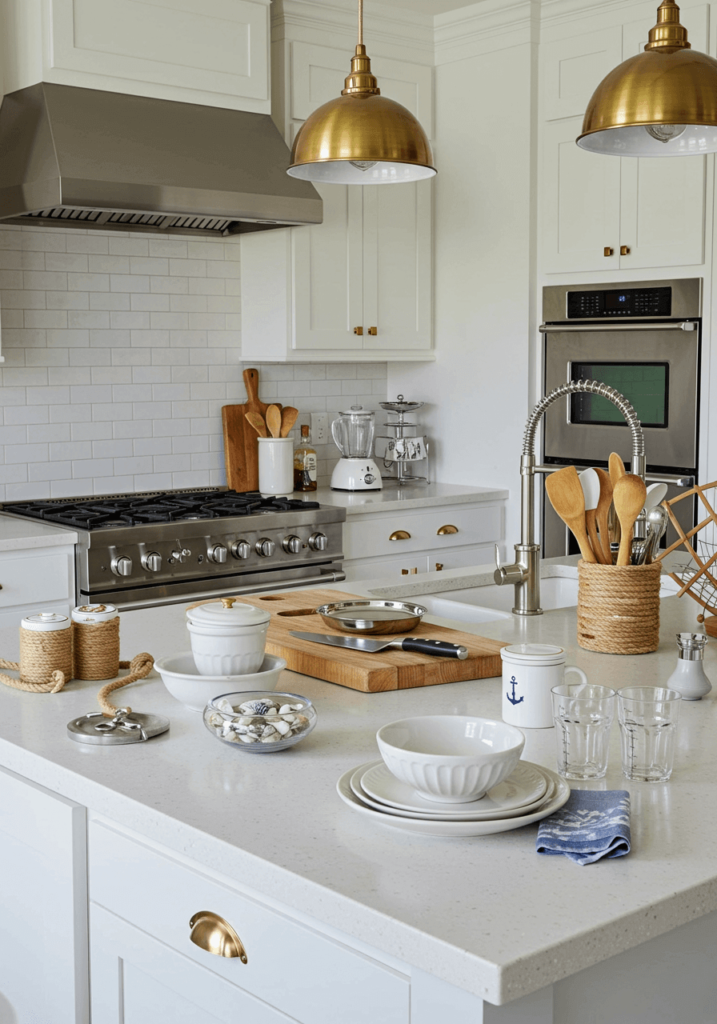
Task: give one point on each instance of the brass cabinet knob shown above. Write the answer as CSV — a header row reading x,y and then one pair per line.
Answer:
x,y
442,531
409,572
216,936
608,251
439,566
400,535
373,330
358,330
624,250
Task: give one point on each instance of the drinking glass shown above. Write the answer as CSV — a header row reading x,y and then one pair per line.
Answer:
x,y
583,714
648,722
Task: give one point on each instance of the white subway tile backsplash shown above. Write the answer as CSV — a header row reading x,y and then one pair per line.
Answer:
x,y
120,351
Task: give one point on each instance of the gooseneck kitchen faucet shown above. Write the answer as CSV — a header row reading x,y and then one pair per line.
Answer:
x,y
524,573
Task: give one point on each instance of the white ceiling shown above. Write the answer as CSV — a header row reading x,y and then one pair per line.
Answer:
x,y
432,6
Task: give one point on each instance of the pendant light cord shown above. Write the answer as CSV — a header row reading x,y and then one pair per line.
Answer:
x,y
360,22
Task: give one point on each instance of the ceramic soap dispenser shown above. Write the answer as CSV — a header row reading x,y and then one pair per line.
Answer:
x,y
689,677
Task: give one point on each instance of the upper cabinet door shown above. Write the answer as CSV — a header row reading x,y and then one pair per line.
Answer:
x,y
580,203
573,68
212,52
397,266
327,274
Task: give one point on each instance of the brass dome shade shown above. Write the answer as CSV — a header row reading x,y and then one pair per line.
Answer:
x,y
662,102
361,137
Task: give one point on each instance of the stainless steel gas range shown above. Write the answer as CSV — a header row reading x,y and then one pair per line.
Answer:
x,y
164,547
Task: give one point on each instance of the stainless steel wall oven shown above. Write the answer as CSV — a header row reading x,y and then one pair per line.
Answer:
x,y
643,339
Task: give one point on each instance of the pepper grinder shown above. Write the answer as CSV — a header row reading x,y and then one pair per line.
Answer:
x,y
689,677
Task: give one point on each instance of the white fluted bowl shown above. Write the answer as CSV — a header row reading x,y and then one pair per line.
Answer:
x,y
194,689
450,758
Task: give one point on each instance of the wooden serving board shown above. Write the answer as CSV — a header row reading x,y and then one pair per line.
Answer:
x,y
241,449
386,670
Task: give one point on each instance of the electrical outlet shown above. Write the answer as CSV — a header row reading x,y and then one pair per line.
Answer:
x,y
320,428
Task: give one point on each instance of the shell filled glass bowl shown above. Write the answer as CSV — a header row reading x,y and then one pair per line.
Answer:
x,y
260,721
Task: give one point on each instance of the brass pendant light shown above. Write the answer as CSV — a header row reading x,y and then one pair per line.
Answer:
x,y
662,102
361,137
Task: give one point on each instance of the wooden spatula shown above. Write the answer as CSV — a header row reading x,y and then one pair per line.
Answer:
x,y
288,419
590,483
616,468
257,422
604,503
273,420
566,497
629,498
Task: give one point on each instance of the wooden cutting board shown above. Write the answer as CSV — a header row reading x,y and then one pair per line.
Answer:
x,y
386,670
241,450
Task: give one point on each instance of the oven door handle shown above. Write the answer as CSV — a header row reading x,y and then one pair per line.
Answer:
x,y
621,325
671,479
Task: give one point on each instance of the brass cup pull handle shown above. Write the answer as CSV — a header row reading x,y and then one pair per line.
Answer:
x,y
608,251
624,250
358,330
442,531
212,933
400,535
373,330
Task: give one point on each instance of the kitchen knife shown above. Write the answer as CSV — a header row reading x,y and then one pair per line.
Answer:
x,y
420,645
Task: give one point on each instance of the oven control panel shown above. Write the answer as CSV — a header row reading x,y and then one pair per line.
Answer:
x,y
618,303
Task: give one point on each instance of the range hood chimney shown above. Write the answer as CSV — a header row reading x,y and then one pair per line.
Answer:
x,y
97,159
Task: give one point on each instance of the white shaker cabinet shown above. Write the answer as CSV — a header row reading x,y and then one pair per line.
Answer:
x,y
35,580
43,893
602,212
212,52
360,283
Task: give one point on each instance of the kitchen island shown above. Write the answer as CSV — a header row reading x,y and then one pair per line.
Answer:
x,y
478,929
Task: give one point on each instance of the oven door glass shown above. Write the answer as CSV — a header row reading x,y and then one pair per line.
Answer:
x,y
646,386
657,371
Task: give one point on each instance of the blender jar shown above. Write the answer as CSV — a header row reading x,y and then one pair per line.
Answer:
x,y
353,433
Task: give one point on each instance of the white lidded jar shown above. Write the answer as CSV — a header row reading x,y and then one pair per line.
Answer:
x,y
45,647
228,637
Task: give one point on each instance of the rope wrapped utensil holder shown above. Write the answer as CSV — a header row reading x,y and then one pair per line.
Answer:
x,y
619,608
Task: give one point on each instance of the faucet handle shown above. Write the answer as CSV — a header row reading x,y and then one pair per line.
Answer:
x,y
497,556
503,574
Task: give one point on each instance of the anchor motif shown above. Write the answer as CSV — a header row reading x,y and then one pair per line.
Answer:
x,y
513,699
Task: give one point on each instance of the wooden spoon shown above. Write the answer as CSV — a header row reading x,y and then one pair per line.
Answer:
x,y
273,420
288,419
604,503
616,469
566,497
629,498
257,422
590,483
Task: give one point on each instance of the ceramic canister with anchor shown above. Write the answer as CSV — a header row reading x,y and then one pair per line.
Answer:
x,y
530,671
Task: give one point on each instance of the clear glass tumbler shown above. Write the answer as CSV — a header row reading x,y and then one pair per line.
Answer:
x,y
648,722
583,714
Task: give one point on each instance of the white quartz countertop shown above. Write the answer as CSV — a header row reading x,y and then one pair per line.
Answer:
x,y
486,914
393,498
30,533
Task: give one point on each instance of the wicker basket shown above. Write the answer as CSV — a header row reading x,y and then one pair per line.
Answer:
x,y
619,608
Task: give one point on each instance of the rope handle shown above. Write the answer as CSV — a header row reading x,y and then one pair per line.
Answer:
x,y
140,666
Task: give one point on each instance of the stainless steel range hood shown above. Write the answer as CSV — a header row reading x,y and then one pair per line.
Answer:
x,y
96,159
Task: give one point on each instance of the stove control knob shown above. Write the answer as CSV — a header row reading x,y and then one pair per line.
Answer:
x,y
265,547
241,549
318,541
181,556
218,554
121,566
152,561
292,544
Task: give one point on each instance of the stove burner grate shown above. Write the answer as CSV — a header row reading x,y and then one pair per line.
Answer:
x,y
165,507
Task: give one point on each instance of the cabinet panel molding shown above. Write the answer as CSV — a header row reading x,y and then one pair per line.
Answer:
x,y
573,69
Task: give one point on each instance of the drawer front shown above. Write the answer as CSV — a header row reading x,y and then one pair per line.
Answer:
x,y
314,979
373,568
458,526
35,577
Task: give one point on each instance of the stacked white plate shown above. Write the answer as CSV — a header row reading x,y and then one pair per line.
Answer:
x,y
529,794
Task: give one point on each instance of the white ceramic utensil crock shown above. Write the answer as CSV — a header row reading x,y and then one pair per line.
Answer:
x,y
228,637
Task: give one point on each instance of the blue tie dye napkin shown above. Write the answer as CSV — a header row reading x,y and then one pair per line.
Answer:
x,y
593,824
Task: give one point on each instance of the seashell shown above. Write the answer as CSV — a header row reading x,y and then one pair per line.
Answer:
x,y
225,706
283,728
257,707
300,723
273,738
215,720
247,738
285,709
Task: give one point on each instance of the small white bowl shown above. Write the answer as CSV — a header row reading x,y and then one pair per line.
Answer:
x,y
450,758
183,680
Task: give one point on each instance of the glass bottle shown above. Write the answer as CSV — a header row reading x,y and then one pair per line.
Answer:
x,y
305,463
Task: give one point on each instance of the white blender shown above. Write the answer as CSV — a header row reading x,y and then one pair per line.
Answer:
x,y
353,435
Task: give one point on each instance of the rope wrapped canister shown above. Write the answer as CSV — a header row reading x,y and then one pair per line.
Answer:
x,y
619,608
42,655
97,648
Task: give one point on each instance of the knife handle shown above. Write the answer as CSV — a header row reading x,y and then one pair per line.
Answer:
x,y
438,648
